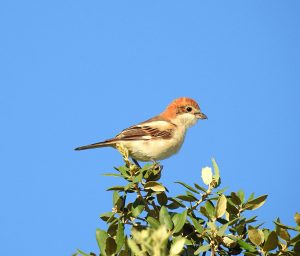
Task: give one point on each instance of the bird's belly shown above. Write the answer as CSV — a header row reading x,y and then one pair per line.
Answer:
x,y
153,149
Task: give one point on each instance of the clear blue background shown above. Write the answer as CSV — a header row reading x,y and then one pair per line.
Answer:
x,y
76,72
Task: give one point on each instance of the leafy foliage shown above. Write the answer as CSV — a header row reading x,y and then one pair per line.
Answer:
x,y
201,220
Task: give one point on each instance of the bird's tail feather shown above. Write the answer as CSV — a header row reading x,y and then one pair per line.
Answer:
x,y
97,145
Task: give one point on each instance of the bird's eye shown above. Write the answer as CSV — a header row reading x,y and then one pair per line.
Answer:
x,y
189,109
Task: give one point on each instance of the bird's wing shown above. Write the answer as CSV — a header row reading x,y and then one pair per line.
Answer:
x,y
147,131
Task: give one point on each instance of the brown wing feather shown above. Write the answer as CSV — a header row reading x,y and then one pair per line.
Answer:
x,y
144,133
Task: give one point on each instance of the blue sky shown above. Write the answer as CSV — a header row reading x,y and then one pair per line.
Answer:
x,y
77,72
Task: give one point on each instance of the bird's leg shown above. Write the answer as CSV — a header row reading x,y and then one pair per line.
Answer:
x,y
136,163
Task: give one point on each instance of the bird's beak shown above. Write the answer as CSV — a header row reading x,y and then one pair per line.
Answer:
x,y
200,115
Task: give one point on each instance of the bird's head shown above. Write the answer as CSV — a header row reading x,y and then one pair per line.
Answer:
x,y
183,111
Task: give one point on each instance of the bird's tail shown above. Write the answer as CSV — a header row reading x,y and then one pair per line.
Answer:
x,y
106,143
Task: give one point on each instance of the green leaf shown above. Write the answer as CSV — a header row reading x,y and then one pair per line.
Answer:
x,y
101,237
134,247
165,218
112,174
297,248
202,248
123,253
295,239
206,175
82,253
231,208
179,220
241,195
204,212
246,246
137,207
111,246
120,237
210,209
235,199
216,171
187,198
129,186
250,197
297,218
188,187
162,198
256,236
285,226
115,197
271,243
221,206
191,194
256,203
197,225
222,230
221,191
252,219
154,223
155,186
177,246
105,216
200,188
118,188
177,202
281,232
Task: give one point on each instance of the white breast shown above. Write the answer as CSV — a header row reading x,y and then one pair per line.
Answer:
x,y
155,149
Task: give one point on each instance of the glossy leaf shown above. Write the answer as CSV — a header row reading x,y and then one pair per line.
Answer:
x,y
105,216
222,230
197,225
246,246
134,247
210,209
295,239
155,186
221,206
83,253
101,237
187,186
271,242
112,175
118,188
165,218
202,248
216,171
111,246
200,188
162,198
256,203
285,226
241,195
179,220
235,199
297,248
137,207
153,222
120,237
187,198
177,246
256,236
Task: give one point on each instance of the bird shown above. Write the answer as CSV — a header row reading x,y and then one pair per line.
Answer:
x,y
159,137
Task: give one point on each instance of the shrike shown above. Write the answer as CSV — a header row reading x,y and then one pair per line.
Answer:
x,y
159,137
